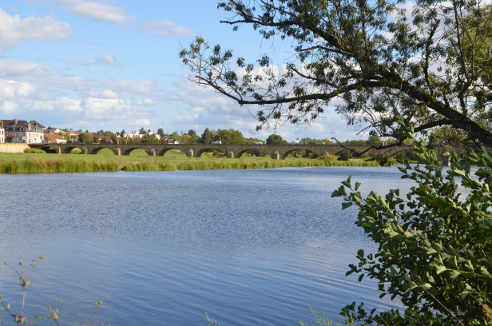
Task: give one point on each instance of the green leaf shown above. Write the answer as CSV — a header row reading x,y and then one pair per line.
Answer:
x,y
346,205
440,269
484,271
454,274
357,185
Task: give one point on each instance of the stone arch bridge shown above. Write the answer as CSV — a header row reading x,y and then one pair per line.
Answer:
x,y
232,151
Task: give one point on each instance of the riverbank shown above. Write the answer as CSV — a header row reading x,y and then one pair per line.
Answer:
x,y
16,163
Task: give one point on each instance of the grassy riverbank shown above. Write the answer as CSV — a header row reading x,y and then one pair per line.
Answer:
x,y
48,163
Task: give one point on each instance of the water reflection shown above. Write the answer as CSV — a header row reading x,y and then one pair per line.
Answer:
x,y
246,246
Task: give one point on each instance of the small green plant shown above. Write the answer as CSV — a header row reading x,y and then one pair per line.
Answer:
x,y
20,318
328,158
34,151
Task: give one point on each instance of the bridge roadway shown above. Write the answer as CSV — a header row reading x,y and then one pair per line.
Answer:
x,y
232,151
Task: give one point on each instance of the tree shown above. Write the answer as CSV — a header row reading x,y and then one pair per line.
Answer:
x,y
432,70
275,139
105,139
160,131
175,135
123,132
65,135
150,139
206,137
230,136
109,134
142,131
434,249
85,138
95,139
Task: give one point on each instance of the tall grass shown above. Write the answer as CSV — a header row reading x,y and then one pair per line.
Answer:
x,y
36,166
237,164
46,166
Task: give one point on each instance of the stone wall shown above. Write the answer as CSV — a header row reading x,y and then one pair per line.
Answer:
x,y
13,147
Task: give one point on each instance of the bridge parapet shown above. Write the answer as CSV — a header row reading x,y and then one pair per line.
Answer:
x,y
230,150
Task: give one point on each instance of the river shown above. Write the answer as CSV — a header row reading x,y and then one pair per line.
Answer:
x,y
249,247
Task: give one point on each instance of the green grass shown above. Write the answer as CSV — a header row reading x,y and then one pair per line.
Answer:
x,y
140,161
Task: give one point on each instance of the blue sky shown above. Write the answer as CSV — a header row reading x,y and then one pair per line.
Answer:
x,y
113,65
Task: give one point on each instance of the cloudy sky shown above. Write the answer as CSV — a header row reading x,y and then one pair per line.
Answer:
x,y
113,65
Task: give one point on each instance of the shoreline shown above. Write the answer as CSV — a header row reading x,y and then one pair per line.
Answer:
x,y
48,163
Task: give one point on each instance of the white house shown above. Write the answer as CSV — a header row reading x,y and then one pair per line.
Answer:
x,y
2,135
136,134
21,131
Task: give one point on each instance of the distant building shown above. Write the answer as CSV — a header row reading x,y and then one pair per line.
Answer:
x,y
53,130
54,139
74,136
2,135
136,134
21,131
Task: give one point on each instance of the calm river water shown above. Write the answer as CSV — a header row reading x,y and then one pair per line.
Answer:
x,y
249,247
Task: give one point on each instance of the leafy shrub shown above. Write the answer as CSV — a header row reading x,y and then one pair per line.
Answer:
x,y
386,159
345,155
75,151
328,158
34,151
434,250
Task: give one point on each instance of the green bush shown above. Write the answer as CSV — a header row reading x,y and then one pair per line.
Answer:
x,y
434,249
345,155
34,151
328,158
75,151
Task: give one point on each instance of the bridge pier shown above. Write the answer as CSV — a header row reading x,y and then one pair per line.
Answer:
x,y
230,153
190,153
117,151
153,152
276,155
59,150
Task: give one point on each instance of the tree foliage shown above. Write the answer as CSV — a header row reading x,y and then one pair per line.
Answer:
x,y
434,248
432,69
230,136
65,135
275,139
85,138
206,137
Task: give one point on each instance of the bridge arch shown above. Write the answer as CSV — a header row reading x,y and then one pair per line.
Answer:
x,y
97,149
164,151
68,150
255,150
131,149
200,152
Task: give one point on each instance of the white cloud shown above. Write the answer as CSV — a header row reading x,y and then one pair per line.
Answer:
x,y
41,106
9,68
146,101
106,60
8,107
115,109
141,122
14,30
161,28
68,104
107,93
97,11
11,89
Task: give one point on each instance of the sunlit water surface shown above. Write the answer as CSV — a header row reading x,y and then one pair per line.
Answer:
x,y
249,247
